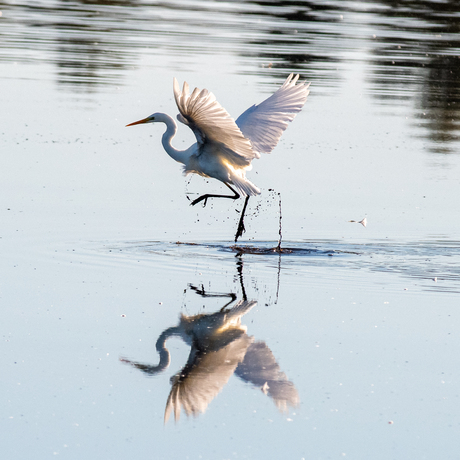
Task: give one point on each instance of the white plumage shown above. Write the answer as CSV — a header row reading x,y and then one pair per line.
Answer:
x,y
225,149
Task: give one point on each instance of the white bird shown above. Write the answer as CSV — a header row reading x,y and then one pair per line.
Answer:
x,y
225,148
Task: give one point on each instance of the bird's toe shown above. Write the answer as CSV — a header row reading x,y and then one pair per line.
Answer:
x,y
239,232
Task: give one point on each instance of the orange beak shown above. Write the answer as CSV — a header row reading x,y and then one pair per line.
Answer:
x,y
144,120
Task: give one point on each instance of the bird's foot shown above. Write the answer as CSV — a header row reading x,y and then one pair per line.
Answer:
x,y
200,198
240,230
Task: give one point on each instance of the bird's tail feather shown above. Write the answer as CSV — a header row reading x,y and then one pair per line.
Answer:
x,y
244,186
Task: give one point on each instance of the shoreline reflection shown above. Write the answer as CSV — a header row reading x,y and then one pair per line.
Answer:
x,y
409,50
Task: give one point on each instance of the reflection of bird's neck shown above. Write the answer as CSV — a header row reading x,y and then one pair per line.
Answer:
x,y
171,129
165,357
162,350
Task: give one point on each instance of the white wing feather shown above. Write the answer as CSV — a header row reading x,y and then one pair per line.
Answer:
x,y
263,124
212,124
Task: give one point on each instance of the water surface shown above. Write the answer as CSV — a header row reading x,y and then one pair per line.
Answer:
x,y
101,252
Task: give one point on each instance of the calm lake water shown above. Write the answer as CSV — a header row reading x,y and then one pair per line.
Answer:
x,y
345,345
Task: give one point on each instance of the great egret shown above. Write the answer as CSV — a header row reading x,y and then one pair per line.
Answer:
x,y
220,347
225,148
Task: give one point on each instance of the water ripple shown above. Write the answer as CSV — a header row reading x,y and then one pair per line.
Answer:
x,y
435,264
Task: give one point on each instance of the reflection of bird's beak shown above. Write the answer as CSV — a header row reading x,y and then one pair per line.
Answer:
x,y
144,120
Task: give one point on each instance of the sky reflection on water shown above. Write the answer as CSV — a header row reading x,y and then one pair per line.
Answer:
x,y
367,358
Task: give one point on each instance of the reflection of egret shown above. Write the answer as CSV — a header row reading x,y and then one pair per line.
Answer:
x,y
219,348
225,149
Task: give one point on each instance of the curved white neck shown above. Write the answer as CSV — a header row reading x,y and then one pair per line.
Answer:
x,y
171,129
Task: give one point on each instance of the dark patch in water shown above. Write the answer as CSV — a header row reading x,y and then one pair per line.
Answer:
x,y
262,250
276,250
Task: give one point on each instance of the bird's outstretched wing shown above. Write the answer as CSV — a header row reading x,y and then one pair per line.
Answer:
x,y
263,124
211,123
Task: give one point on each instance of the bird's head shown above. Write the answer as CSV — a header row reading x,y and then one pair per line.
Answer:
x,y
154,118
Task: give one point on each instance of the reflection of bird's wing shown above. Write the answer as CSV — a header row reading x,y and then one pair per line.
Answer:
x,y
263,124
204,376
212,124
260,368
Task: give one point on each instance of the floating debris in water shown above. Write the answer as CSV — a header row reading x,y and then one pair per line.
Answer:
x,y
363,222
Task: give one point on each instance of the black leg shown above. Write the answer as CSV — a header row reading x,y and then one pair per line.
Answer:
x,y
205,197
240,230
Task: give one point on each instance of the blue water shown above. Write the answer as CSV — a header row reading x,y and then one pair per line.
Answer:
x,y
101,251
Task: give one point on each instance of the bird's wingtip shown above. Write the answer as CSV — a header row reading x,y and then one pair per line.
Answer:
x,y
185,88
175,83
288,79
293,80
176,89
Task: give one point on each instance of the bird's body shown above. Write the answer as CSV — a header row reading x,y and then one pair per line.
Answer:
x,y
225,148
